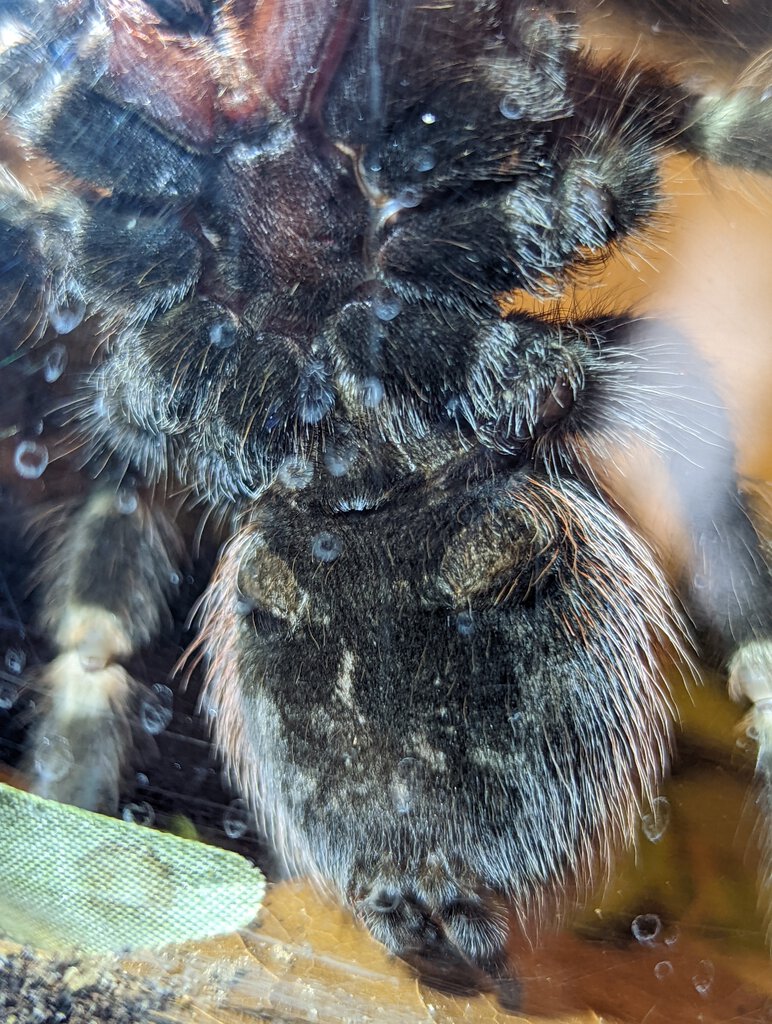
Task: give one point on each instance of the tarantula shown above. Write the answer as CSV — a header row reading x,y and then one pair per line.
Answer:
x,y
431,641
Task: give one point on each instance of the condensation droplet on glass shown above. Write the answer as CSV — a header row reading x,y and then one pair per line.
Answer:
x,y
386,306
465,623
510,107
372,392
235,821
316,396
646,928
663,970
702,979
656,821
156,711
9,694
53,758
126,502
30,459
67,314
54,363
326,546
295,472
424,160
337,460
15,660
429,118
409,198
140,813
222,334
406,784
517,724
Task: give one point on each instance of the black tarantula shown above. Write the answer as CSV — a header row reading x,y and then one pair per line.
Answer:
x,y
431,641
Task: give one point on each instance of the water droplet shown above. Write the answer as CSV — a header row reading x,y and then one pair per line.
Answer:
x,y
67,314
54,363
140,813
175,579
316,396
429,118
295,472
142,779
386,306
338,459
372,392
409,198
663,970
9,694
222,333
53,758
702,979
126,501
156,711
517,724
350,757
235,821
656,821
465,624
15,660
30,459
424,160
326,547
646,928
510,107
407,784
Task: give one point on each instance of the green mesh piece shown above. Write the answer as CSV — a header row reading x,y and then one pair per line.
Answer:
x,y
73,879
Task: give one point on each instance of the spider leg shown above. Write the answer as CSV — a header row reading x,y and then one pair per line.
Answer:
x,y
105,580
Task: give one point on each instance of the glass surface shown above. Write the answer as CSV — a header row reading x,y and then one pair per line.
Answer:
x,y
676,933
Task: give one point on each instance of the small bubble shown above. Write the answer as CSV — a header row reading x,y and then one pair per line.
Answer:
x,y
15,660
53,758
646,928
30,459
175,579
235,821
222,333
465,623
326,547
663,970
140,813
126,502
55,363
429,118
372,392
424,160
157,709
67,314
702,979
295,472
142,779
655,823
510,107
386,306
